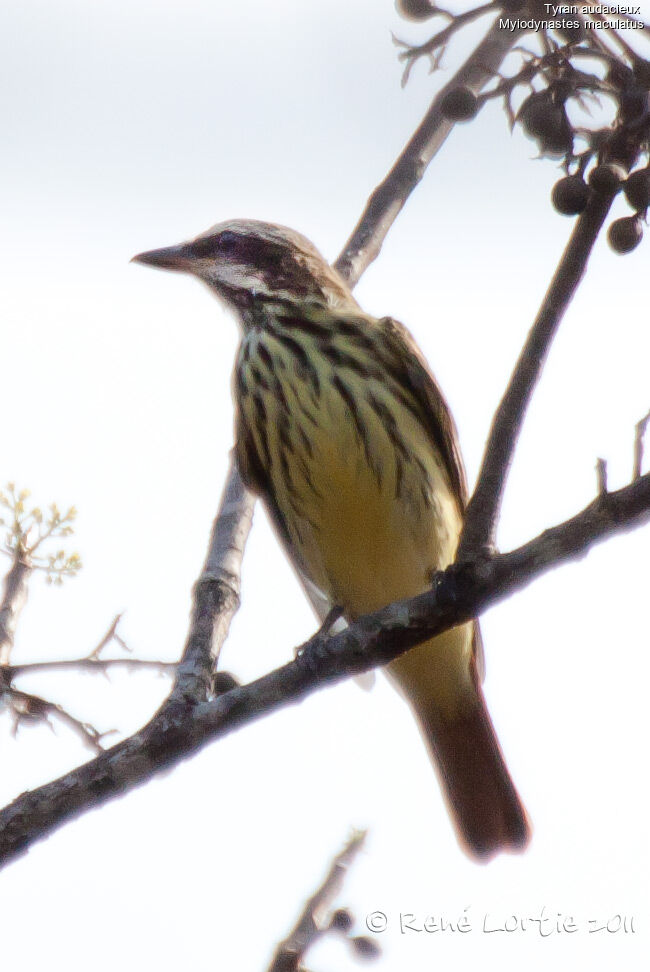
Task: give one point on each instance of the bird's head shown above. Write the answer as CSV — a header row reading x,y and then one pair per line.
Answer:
x,y
246,262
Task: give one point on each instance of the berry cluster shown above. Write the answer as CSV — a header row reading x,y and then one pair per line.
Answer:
x,y
607,154
571,70
571,194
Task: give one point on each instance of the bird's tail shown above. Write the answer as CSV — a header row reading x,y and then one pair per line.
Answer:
x,y
440,681
484,805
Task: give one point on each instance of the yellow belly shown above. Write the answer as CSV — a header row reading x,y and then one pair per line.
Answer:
x,y
368,525
364,547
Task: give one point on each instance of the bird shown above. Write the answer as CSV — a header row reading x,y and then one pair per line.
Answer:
x,y
342,431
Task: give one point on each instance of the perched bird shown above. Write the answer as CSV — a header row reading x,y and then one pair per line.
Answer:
x,y
345,435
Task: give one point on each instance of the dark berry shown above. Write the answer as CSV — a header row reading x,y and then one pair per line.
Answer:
x,y
415,9
637,190
342,920
547,122
606,178
366,947
570,195
459,104
625,234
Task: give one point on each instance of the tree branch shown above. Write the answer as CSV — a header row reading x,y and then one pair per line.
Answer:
x,y
216,593
309,927
387,200
459,593
94,665
436,46
26,707
483,510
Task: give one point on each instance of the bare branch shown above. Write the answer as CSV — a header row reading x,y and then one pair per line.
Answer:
x,y
97,666
216,593
309,927
27,707
436,46
90,662
387,200
111,635
483,509
601,476
461,592
32,709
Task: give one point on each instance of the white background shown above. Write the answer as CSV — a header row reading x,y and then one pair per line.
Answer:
x,y
131,125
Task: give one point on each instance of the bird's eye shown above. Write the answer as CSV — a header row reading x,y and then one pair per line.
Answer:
x,y
227,242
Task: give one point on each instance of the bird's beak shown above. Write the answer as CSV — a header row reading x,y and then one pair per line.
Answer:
x,y
168,258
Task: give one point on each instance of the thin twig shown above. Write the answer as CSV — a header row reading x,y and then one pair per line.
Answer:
x,y
483,509
309,927
435,47
27,707
460,593
111,635
94,665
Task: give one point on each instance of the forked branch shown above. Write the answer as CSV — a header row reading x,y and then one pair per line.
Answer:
x,y
482,516
312,924
459,593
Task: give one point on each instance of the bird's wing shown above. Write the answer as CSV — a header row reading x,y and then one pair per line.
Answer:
x,y
410,369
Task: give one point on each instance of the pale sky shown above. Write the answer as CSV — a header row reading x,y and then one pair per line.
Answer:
x,y
128,126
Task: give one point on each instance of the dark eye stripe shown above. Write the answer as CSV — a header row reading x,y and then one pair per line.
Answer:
x,y
226,242
221,244
205,247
